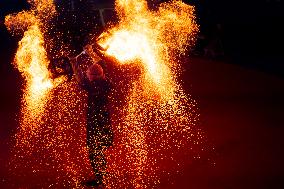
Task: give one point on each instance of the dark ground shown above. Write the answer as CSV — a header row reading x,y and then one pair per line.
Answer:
x,y
240,99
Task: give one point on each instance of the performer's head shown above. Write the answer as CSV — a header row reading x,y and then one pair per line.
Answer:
x,y
95,72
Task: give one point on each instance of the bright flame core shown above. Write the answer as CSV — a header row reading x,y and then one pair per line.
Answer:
x,y
136,46
152,39
156,103
32,61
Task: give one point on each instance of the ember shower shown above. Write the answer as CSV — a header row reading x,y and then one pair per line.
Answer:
x,y
157,121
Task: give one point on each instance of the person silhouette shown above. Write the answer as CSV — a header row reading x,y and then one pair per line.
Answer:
x,y
98,86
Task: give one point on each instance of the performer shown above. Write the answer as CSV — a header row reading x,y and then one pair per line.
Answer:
x,y
92,69
98,86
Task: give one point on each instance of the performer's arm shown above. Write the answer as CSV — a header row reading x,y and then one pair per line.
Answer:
x,y
89,50
78,72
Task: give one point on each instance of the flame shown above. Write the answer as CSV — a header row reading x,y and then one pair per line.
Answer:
x,y
150,37
156,103
135,46
157,108
31,60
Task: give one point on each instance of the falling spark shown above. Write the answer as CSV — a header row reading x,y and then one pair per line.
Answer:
x,y
31,60
152,117
151,37
41,135
52,118
159,118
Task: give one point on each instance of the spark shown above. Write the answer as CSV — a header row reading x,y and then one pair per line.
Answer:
x,y
153,118
31,60
158,118
152,37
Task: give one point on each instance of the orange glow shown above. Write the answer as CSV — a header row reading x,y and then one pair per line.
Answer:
x,y
150,37
157,103
31,60
157,118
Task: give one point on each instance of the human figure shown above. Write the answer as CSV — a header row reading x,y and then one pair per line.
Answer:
x,y
99,133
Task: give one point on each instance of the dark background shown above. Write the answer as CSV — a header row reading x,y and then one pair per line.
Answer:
x,y
240,94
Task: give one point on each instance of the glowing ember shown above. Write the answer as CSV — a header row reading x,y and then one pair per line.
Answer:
x,y
156,121
49,111
151,37
31,60
159,116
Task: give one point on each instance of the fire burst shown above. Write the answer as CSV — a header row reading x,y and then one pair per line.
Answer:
x,y
153,38
31,60
159,117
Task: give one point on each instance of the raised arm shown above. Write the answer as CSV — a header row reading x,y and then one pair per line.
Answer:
x,y
77,69
89,50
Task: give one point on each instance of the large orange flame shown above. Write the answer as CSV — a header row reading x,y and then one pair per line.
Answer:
x,y
31,60
157,103
150,37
